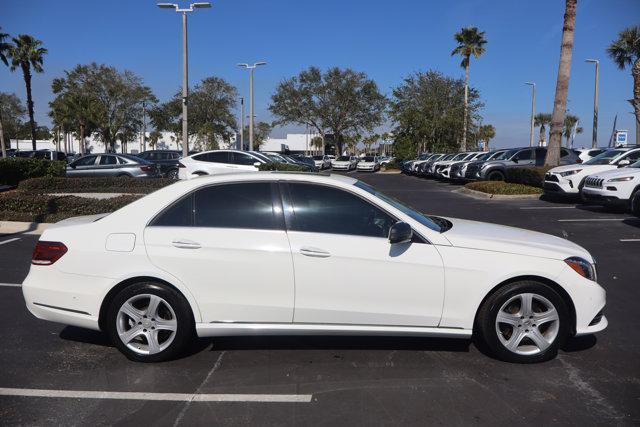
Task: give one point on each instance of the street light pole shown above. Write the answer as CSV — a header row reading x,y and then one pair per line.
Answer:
x,y
144,126
241,124
185,69
594,137
251,68
533,111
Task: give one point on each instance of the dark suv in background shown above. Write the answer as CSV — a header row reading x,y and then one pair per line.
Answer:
x,y
165,160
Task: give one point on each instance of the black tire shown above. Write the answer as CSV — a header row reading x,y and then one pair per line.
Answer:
x,y
172,174
486,329
634,202
185,330
124,175
495,176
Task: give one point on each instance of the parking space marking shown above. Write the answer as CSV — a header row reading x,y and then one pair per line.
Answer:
x,y
11,285
630,240
175,397
594,219
4,242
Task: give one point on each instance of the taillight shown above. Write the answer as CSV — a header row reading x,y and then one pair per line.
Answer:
x,y
180,165
46,253
146,168
579,160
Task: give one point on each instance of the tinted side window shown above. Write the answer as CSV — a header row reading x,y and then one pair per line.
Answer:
x,y
214,157
85,161
322,209
180,214
108,160
564,152
633,157
246,205
243,159
524,155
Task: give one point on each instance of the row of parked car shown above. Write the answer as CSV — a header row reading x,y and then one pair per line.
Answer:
x,y
351,163
606,176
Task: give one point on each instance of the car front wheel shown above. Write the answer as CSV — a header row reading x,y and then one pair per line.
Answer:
x,y
635,203
150,322
523,322
172,174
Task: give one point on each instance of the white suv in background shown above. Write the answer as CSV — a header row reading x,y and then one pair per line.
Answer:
x,y
219,161
615,187
568,179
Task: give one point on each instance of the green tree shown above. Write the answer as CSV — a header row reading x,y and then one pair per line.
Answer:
x,y
317,142
4,47
27,53
427,109
569,122
12,113
154,137
562,85
470,41
340,102
261,132
625,51
542,120
486,133
211,113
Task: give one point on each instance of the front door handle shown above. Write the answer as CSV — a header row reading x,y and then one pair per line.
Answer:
x,y
314,252
185,244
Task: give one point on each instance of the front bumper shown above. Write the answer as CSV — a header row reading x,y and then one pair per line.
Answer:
x,y
554,183
367,168
341,167
603,196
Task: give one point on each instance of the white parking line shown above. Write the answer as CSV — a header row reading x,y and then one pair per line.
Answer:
x,y
593,219
547,207
176,397
11,285
4,242
630,240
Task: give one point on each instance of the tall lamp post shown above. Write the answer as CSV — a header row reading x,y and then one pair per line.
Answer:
x,y
241,125
533,110
594,137
251,68
185,81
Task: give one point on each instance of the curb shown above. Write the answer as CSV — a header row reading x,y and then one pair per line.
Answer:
x,y
391,172
17,227
481,195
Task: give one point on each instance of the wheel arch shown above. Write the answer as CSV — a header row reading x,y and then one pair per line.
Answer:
x,y
106,301
555,286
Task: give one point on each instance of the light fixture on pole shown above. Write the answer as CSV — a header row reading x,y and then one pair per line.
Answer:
x,y
533,110
251,67
594,137
185,80
241,125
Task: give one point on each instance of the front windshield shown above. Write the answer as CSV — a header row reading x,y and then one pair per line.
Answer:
x,y
369,159
635,165
459,156
262,156
604,158
422,219
447,157
483,156
343,159
507,154
496,156
273,157
424,156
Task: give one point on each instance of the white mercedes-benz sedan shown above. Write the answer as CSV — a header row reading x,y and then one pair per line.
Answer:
x,y
237,254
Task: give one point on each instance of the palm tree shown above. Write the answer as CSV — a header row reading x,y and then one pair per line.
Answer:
x,y
486,133
569,122
562,85
542,120
27,52
470,41
3,57
625,51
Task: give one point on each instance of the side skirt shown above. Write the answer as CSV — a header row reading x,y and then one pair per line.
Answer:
x,y
217,329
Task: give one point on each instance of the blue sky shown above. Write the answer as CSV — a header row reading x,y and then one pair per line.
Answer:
x,y
386,39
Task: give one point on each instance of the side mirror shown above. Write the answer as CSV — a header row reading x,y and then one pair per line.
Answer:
x,y
515,160
400,232
624,162
257,164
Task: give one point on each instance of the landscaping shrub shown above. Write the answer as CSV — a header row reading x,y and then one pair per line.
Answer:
x,y
273,166
501,187
533,177
15,169
93,185
391,165
30,207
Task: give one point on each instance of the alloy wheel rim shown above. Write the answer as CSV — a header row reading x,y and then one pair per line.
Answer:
x,y
527,324
146,324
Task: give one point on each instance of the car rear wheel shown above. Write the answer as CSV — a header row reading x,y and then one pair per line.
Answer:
x,y
495,176
523,322
150,322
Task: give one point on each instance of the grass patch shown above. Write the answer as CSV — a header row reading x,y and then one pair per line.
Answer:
x,y
503,188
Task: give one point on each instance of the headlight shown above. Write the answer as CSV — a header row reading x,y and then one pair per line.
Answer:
x,y
621,179
582,267
571,172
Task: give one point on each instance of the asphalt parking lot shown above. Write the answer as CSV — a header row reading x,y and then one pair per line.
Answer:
x,y
342,380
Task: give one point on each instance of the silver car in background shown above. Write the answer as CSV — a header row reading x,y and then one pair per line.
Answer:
x,y
108,164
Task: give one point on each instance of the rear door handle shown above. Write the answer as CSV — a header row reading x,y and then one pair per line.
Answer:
x,y
314,252
185,244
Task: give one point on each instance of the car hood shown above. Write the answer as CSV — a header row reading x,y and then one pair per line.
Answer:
x,y
366,163
340,162
584,168
500,238
617,173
